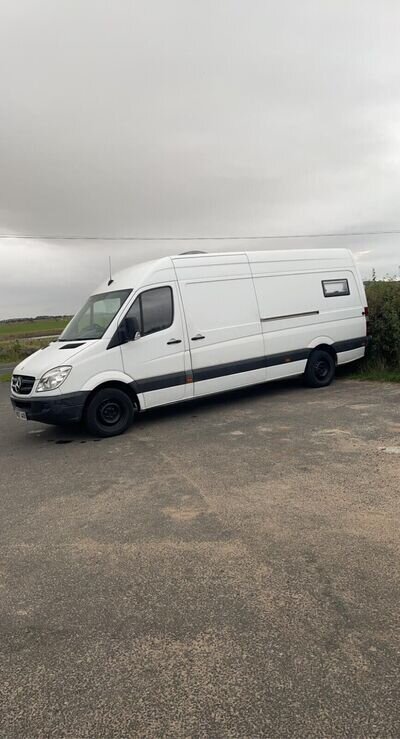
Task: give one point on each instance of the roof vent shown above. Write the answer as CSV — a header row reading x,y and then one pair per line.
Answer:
x,y
188,253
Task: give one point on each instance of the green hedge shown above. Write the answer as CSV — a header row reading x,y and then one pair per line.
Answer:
x,y
384,318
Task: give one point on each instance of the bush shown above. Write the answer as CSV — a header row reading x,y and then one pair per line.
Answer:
x,y
384,317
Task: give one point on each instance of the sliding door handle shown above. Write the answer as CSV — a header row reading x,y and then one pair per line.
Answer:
x,y
174,341
198,337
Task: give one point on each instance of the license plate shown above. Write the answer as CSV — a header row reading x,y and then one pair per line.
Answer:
x,y
21,415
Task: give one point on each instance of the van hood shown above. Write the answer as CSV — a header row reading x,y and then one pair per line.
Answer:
x,y
54,355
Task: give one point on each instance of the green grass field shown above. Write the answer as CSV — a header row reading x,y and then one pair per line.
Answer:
x,y
376,374
12,352
18,338
35,327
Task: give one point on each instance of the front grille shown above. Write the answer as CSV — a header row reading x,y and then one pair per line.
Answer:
x,y
22,384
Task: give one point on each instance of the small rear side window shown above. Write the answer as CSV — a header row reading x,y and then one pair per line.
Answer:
x,y
333,288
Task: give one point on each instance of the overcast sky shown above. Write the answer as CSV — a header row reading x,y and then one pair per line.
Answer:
x,y
191,117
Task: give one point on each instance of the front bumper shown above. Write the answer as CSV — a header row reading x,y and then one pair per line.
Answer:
x,y
61,409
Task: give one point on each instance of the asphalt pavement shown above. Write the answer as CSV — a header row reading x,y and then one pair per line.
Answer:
x,y
228,568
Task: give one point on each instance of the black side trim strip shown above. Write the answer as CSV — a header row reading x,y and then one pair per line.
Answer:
x,y
349,344
230,368
291,315
218,370
247,365
295,356
160,382
233,368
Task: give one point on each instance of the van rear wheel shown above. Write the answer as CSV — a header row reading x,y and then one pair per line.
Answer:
x,y
109,412
320,369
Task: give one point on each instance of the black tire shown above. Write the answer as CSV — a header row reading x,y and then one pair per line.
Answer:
x,y
320,369
109,412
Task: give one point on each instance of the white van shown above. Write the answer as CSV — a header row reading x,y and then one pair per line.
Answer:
x,y
187,326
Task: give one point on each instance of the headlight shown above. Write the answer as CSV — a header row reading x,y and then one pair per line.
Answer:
x,y
52,379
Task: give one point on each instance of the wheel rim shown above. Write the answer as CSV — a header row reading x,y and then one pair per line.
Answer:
x,y
322,369
109,412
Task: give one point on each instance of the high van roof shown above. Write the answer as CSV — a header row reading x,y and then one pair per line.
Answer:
x,y
165,269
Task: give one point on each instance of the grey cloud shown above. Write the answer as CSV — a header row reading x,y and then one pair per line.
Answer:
x,y
191,118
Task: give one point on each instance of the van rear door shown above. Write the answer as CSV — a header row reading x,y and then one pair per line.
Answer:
x,y
223,323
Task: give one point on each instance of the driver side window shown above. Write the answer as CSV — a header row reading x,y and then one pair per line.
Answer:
x,y
153,310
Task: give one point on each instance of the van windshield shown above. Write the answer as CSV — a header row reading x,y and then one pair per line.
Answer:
x,y
92,321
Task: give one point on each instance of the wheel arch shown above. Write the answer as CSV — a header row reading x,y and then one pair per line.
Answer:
x,y
325,345
124,386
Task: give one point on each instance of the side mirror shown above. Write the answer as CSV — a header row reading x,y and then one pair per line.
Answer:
x,y
130,329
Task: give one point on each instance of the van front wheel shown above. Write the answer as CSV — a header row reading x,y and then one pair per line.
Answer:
x,y
320,369
109,412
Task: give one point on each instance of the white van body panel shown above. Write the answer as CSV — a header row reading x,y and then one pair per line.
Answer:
x,y
105,377
95,361
45,359
153,272
222,319
238,319
350,356
293,306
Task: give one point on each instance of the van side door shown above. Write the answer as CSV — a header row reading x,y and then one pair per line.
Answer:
x,y
158,359
225,339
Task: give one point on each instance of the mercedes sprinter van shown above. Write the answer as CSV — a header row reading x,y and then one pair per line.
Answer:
x,y
188,326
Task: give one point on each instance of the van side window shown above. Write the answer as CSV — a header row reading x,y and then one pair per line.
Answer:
x,y
135,312
333,288
154,310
